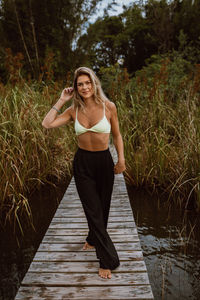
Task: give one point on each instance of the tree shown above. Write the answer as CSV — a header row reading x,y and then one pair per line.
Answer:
x,y
35,27
186,19
126,36
100,45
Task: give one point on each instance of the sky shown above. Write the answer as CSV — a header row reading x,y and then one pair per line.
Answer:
x,y
118,8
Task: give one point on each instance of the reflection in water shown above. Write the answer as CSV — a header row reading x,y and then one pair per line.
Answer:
x,y
170,239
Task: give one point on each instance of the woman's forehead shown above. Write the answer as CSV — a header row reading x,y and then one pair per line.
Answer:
x,y
82,78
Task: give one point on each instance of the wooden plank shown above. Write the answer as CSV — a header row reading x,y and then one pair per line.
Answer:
x,y
77,239
114,203
79,214
80,209
115,206
84,267
140,292
85,225
78,247
111,219
83,256
73,231
84,279
83,219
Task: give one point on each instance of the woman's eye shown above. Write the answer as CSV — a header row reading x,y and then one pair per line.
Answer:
x,y
82,84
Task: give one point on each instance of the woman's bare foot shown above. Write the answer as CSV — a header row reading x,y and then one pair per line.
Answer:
x,y
87,246
105,273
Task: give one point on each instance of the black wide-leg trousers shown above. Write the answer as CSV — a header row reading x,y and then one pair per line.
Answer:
x,y
94,178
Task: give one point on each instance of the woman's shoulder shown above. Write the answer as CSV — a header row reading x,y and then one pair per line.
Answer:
x,y
110,106
70,111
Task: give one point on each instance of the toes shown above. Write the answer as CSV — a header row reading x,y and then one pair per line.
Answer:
x,y
87,246
105,274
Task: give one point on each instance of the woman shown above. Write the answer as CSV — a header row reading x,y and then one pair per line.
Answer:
x,y
94,116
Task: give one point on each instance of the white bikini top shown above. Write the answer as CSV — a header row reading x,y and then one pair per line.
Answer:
x,y
103,126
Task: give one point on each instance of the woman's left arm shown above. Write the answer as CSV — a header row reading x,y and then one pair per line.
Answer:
x,y
117,140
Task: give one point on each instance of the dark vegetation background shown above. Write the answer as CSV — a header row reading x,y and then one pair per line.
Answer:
x,y
62,30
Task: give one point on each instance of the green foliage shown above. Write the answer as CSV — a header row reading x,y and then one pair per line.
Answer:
x,y
170,72
32,27
62,28
142,31
101,43
159,119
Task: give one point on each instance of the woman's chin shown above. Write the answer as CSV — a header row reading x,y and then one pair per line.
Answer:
x,y
87,96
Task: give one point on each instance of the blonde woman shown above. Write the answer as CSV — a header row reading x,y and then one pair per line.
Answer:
x,y
94,118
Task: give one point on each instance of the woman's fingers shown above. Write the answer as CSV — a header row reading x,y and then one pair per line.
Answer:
x,y
67,93
69,90
119,168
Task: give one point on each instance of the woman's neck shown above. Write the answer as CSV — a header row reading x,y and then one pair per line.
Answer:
x,y
89,102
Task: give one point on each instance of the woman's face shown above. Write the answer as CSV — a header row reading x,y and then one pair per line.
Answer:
x,y
84,86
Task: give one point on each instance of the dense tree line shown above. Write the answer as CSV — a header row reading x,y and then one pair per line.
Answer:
x,y
141,31
37,28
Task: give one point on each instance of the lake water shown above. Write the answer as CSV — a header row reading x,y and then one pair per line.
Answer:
x,y
170,239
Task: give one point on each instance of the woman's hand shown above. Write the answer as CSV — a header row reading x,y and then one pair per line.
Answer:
x,y
119,167
67,94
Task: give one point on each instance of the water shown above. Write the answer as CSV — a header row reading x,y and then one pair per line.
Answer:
x,y
170,239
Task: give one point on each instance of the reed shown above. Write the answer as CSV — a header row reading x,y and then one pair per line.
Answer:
x,y
159,121
30,155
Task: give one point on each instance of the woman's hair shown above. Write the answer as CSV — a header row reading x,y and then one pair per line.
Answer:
x,y
99,95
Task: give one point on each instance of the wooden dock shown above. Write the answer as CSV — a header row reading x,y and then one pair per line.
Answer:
x,y
62,270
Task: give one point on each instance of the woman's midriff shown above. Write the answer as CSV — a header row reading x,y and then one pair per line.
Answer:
x,y
93,141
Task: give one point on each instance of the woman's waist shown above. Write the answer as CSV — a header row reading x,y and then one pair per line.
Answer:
x,y
93,144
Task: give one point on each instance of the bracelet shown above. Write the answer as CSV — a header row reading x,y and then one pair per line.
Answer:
x,y
56,109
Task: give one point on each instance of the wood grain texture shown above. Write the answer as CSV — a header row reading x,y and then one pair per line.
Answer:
x,y
81,231
140,292
77,239
84,266
83,256
84,279
61,269
85,225
51,247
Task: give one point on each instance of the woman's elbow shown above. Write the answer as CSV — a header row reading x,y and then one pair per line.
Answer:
x,y
45,125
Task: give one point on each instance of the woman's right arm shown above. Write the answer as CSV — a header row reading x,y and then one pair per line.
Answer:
x,y
52,119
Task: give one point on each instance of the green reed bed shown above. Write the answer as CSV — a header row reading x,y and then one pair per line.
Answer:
x,y
30,155
160,124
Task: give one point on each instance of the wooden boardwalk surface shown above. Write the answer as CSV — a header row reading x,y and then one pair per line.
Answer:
x,y
62,270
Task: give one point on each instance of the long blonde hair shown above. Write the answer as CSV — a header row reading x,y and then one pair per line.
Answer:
x,y
99,95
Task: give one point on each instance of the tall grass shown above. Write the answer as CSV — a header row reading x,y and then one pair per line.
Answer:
x,y
159,116
30,155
